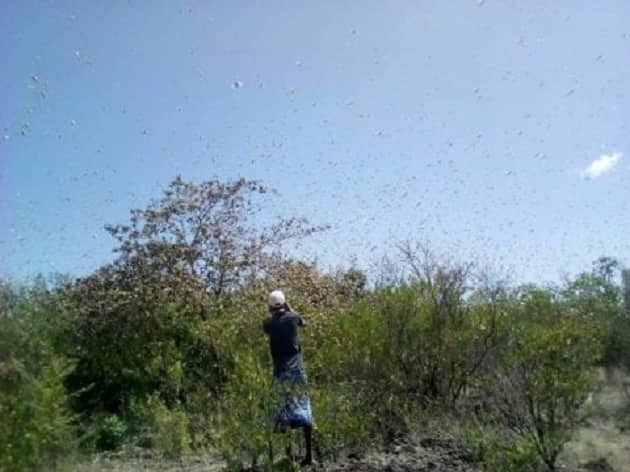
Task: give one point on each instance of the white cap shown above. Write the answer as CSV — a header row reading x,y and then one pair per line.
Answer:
x,y
276,299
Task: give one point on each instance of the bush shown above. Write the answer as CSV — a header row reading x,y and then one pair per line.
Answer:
x,y
159,362
165,430
343,422
245,420
499,451
112,432
132,341
617,341
37,428
400,350
545,373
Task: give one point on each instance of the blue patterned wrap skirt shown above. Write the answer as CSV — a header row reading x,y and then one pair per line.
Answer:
x,y
293,403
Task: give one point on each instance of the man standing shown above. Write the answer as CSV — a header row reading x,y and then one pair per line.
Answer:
x,y
289,376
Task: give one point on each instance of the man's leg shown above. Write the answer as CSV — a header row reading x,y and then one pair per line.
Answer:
x,y
308,441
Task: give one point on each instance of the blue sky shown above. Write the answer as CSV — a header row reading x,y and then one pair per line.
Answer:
x,y
498,131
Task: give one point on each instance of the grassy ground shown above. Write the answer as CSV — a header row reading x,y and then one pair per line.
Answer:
x,y
131,461
436,454
607,435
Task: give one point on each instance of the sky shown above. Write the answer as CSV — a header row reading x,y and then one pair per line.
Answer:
x,y
496,132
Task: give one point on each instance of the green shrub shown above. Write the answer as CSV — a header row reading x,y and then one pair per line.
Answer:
x,y
595,296
497,450
399,350
37,428
245,421
165,430
159,363
132,341
545,373
112,432
617,342
342,423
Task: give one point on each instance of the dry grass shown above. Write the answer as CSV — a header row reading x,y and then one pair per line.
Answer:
x,y
147,462
607,434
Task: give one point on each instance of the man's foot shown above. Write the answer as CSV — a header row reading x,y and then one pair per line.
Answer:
x,y
306,461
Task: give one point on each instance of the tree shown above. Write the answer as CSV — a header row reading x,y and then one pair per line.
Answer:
x,y
592,295
620,329
605,267
453,347
595,295
135,333
208,230
625,287
544,375
142,325
37,428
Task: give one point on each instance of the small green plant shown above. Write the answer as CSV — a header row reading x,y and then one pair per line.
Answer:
x,y
112,432
498,450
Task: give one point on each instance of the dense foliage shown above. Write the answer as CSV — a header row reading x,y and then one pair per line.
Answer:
x,y
163,348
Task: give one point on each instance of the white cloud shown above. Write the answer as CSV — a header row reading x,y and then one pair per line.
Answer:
x,y
601,165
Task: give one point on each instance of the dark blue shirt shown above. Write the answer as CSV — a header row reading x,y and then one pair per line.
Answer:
x,y
284,343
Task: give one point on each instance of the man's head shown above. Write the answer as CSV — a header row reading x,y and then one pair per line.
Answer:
x,y
276,300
